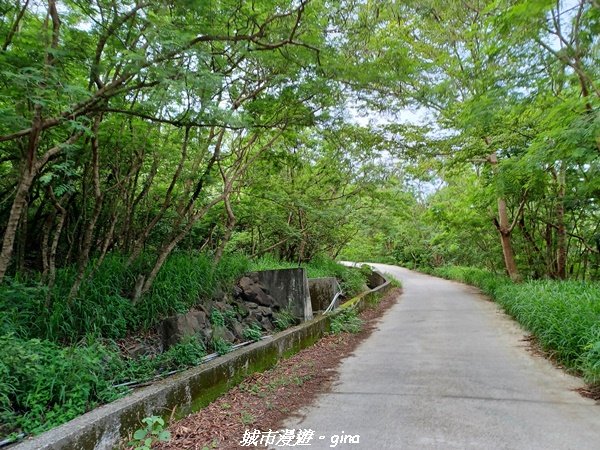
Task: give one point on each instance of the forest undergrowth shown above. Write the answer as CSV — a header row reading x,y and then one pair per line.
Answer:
x,y
61,357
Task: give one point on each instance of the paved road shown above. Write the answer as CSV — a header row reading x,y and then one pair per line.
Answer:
x,y
446,369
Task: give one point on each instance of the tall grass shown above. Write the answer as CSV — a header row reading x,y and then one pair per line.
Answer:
x,y
563,315
102,306
44,384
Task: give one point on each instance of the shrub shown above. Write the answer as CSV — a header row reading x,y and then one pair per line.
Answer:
x,y
221,346
217,319
346,321
153,432
48,385
284,319
253,332
185,354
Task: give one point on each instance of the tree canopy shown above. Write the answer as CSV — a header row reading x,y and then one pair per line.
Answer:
x,y
142,128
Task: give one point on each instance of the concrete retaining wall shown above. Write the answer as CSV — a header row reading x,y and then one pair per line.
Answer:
x,y
376,279
105,427
322,291
289,288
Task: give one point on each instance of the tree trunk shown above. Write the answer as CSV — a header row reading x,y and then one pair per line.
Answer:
x,y
61,213
91,225
108,239
533,251
15,26
505,239
31,165
168,247
139,243
550,262
561,231
231,221
45,244
16,211
22,239
505,229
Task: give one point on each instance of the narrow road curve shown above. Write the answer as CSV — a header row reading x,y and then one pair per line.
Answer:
x,y
447,369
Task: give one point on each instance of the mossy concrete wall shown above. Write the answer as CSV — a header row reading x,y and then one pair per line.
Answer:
x,y
109,425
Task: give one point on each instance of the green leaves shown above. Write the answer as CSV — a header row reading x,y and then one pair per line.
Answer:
x,y
346,321
50,383
152,433
523,13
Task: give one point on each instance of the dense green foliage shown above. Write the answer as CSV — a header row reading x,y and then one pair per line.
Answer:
x,y
562,315
152,152
149,129
102,309
500,168
346,321
45,383
144,129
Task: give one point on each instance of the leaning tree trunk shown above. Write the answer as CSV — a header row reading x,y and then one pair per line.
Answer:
x,y
143,284
231,221
32,164
505,229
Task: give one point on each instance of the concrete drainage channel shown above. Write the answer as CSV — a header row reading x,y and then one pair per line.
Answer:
x,y
186,392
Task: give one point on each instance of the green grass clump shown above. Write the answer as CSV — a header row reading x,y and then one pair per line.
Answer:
x,y
284,319
221,346
346,321
43,385
188,353
563,315
394,282
373,300
253,332
217,319
486,281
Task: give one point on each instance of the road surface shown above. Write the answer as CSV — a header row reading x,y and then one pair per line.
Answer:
x,y
447,369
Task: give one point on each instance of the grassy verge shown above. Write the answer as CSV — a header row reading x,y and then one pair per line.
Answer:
x,y
563,315
58,357
102,307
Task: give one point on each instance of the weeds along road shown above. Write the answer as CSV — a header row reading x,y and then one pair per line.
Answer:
x,y
447,369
